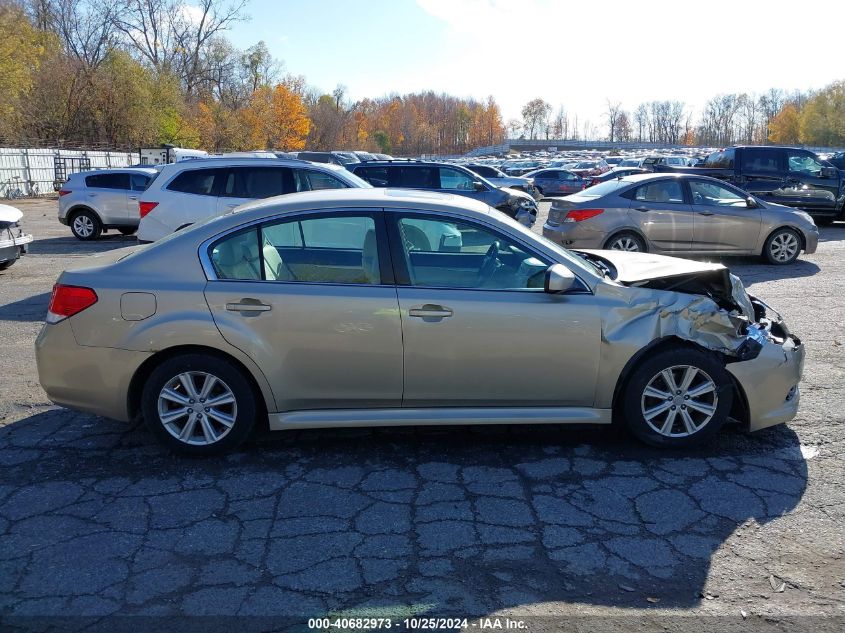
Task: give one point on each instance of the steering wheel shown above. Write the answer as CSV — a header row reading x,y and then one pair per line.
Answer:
x,y
489,264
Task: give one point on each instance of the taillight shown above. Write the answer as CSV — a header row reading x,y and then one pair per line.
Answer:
x,y
64,192
69,300
145,207
578,215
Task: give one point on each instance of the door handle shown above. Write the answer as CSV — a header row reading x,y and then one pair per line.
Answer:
x,y
133,197
430,311
643,209
92,195
232,206
705,213
248,305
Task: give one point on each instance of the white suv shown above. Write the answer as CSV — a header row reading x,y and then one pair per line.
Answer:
x,y
91,202
186,192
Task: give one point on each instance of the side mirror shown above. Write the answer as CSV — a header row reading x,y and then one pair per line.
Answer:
x,y
558,279
830,172
478,185
750,202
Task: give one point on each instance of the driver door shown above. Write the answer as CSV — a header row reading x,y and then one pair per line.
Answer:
x,y
477,327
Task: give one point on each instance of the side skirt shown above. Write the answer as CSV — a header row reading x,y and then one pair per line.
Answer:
x,y
328,418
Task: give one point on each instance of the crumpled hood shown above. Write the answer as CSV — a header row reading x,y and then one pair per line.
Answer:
x,y
516,193
634,267
659,272
10,214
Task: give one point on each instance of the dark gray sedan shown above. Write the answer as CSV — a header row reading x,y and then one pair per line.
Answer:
x,y
557,182
681,215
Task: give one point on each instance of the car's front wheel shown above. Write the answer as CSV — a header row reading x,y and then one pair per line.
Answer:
x,y
128,230
198,404
782,247
677,398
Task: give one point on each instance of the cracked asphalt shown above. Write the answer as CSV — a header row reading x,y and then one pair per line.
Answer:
x,y
101,529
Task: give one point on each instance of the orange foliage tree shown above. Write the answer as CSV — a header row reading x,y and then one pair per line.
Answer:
x,y
276,118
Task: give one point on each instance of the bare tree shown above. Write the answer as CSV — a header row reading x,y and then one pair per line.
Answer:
x,y
173,36
614,108
85,27
534,114
641,120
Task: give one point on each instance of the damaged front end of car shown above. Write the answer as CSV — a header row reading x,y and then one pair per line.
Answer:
x,y
657,298
13,241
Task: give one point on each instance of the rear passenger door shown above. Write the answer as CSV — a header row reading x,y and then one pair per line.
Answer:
x,y
660,210
310,297
245,184
109,194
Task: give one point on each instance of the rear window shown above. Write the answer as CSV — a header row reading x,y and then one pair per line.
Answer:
x,y
257,182
723,159
196,181
602,189
107,181
419,178
140,182
308,180
376,176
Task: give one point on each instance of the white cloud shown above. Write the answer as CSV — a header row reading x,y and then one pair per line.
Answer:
x,y
580,53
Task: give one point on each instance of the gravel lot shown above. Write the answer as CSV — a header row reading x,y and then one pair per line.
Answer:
x,y
97,521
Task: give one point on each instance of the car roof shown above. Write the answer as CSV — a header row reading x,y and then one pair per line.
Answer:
x,y
200,163
118,170
373,198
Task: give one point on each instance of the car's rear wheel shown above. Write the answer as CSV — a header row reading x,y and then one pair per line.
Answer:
x,y
782,247
678,398
85,225
626,241
198,404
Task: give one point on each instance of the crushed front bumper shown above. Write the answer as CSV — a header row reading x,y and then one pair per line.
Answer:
x,y
769,382
13,246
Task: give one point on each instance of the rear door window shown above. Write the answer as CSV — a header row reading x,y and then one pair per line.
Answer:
x,y
197,181
376,176
310,180
419,178
140,182
666,191
107,181
455,179
257,182
761,161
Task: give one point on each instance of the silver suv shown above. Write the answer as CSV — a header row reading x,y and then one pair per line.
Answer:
x,y
91,202
190,191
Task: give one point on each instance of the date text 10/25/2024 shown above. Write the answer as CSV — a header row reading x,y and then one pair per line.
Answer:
x,y
415,624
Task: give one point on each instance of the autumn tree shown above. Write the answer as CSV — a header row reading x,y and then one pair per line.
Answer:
x,y
822,119
786,125
276,119
21,53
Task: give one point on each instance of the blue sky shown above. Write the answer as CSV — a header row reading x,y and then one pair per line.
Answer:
x,y
576,54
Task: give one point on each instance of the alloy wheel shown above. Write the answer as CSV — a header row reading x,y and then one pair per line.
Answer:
x,y
625,243
197,408
679,401
83,226
783,247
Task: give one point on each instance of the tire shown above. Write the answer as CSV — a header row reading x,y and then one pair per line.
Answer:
x,y
85,225
656,420
824,221
626,241
782,247
5,265
218,429
127,230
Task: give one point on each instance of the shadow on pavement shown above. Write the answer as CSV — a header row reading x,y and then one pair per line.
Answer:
x,y
32,308
98,520
71,246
